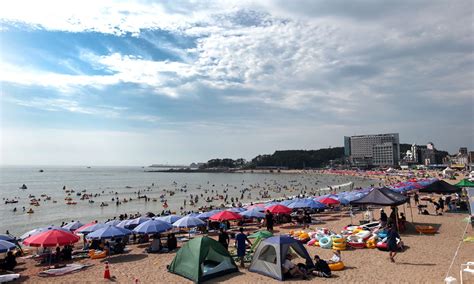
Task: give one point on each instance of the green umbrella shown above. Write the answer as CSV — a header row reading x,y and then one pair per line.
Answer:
x,y
465,183
261,234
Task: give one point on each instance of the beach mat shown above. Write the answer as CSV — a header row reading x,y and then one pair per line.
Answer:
x,y
69,268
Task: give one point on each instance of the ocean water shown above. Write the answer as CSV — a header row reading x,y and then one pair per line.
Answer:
x,y
125,182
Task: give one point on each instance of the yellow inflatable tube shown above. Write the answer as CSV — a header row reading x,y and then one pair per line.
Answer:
x,y
336,266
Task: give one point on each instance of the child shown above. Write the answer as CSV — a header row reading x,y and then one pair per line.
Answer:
x,y
336,257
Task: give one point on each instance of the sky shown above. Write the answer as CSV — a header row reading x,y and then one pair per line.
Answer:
x,y
142,82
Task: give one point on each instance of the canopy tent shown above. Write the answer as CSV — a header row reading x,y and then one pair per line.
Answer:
x,y
440,187
202,259
271,253
381,196
465,183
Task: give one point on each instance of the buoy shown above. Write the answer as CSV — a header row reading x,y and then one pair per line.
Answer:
x,y
107,271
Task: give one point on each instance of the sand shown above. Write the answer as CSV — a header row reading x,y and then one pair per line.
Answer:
x,y
426,259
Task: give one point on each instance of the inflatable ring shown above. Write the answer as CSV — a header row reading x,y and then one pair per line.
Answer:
x,y
338,241
94,255
325,242
316,244
336,266
344,247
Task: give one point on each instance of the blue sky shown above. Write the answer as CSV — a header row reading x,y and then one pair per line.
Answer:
x,y
141,82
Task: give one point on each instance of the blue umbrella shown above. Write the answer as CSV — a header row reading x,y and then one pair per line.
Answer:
x,y
170,218
6,246
236,209
206,215
306,203
92,228
109,232
7,238
253,213
194,214
41,230
113,222
73,225
286,202
188,222
153,227
135,222
269,204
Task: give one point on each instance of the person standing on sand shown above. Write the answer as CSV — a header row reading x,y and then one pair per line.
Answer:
x,y
392,242
224,238
269,221
416,198
240,240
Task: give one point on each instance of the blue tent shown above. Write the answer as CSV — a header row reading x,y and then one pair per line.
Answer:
x,y
109,232
271,253
6,246
153,227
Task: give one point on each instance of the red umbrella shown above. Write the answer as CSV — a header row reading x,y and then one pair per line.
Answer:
x,y
51,238
279,209
329,201
225,216
85,226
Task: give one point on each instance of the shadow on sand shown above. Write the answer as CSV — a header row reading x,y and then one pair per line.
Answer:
x,y
125,258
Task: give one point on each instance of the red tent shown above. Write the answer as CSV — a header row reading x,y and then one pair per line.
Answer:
x,y
329,201
225,216
51,238
279,209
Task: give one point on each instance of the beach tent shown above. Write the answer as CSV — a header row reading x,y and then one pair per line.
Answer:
x,y
271,253
381,196
465,183
202,259
441,187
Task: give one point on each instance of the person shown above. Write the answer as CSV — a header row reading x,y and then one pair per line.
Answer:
x,y
336,257
240,240
155,246
321,268
383,218
290,270
9,262
269,220
392,245
402,222
171,242
224,238
416,198
441,203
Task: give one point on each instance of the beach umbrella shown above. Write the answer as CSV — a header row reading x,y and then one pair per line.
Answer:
x,y
153,226
84,226
108,233
279,209
306,203
51,238
72,226
6,246
225,216
259,205
41,230
286,202
7,238
253,213
132,223
268,204
170,218
91,229
263,234
113,222
188,222
329,201
193,214
236,209
206,215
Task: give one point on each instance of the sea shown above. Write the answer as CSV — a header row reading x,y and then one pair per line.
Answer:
x,y
52,185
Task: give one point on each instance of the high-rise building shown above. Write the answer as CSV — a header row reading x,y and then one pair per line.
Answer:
x,y
347,146
463,151
364,152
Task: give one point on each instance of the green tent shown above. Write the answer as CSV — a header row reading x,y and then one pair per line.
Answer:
x,y
465,183
261,234
202,259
